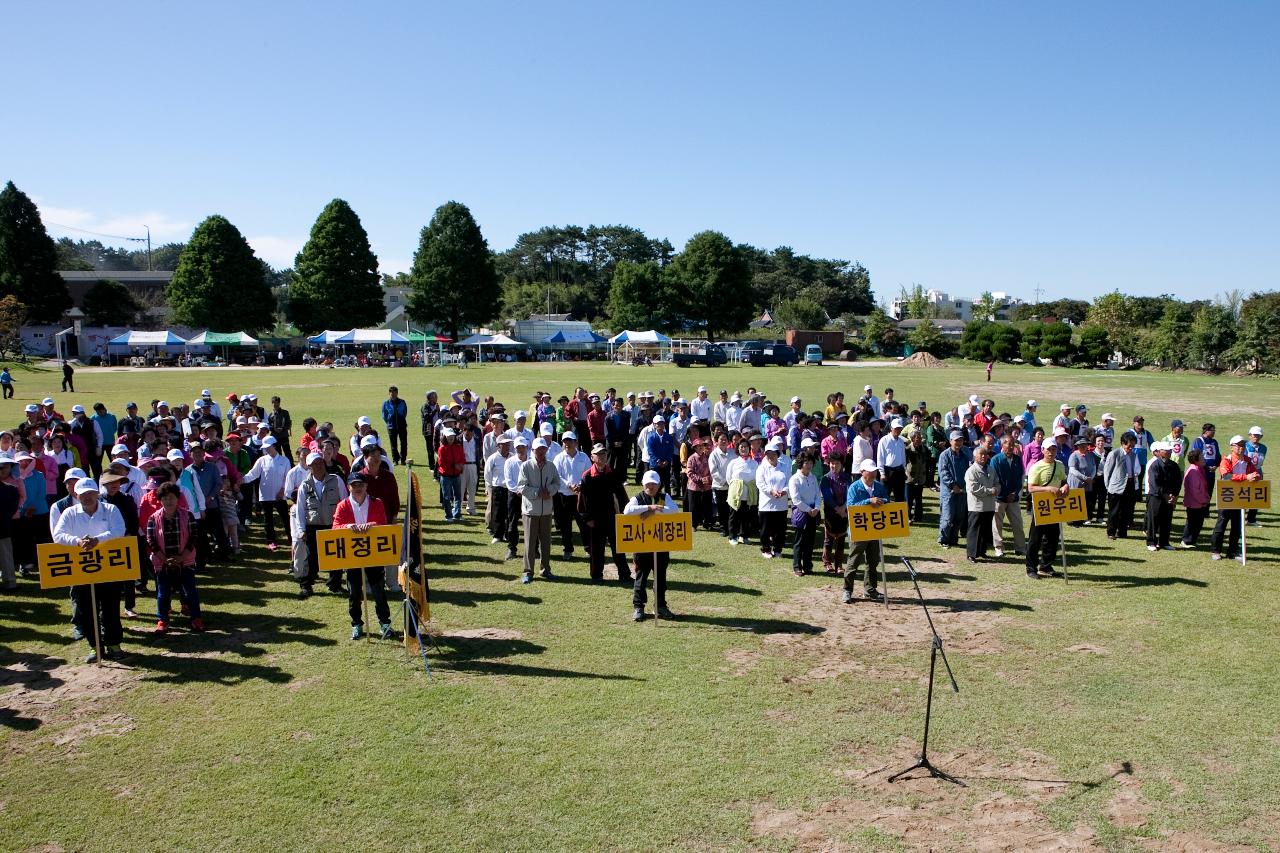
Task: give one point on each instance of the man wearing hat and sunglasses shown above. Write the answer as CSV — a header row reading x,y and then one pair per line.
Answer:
x,y
86,524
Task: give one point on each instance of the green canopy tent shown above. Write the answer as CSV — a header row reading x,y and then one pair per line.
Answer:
x,y
224,340
423,338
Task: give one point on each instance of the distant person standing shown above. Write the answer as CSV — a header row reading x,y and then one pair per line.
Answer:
x,y
395,414
6,382
68,377
990,364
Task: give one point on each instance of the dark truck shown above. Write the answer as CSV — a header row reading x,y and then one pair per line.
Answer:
x,y
762,353
712,356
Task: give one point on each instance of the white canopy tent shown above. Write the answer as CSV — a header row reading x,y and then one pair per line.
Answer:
x,y
627,341
481,341
224,339
146,339
371,336
328,336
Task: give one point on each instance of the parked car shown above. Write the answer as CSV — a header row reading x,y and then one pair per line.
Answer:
x,y
711,356
777,354
751,350
813,354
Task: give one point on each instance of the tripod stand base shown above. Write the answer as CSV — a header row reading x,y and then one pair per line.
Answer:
x,y
925,764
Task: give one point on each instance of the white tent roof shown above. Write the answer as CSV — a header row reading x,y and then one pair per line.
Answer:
x,y
146,339
223,339
371,336
649,337
490,341
328,336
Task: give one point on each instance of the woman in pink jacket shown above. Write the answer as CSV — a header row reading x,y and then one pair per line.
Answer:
x,y
1195,498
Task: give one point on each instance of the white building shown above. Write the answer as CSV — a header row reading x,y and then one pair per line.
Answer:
x,y
961,308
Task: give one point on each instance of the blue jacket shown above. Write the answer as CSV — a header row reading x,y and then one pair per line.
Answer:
x,y
661,448
951,468
395,414
1008,473
859,496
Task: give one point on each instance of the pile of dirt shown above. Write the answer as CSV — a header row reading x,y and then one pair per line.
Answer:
x,y
922,359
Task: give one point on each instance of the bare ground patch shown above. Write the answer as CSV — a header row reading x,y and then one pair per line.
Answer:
x,y
742,661
485,634
52,693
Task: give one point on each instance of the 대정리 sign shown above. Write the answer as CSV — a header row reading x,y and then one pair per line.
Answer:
x,y
70,565
1233,494
1052,508
659,531
345,548
887,521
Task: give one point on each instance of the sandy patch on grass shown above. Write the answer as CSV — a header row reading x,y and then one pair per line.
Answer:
x,y
1189,842
855,638
1085,648
299,683
1000,811
110,725
51,694
742,661
485,634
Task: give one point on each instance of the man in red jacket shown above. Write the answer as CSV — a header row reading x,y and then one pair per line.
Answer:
x,y
1236,467
359,511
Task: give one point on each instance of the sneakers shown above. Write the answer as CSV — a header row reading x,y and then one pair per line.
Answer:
x,y
162,628
663,612
639,615
846,597
873,595
1166,547
1216,556
1033,575
511,555
76,633
733,540
1047,572
626,580
356,632
768,555
304,592
1184,546
494,540
545,574
388,633
526,578
999,552
1153,548
130,613
197,625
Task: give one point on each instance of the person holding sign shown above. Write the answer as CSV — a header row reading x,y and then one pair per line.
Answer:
x,y
865,491
1235,467
1046,475
652,499
171,538
86,524
359,511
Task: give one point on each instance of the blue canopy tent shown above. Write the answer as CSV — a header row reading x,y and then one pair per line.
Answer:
x,y
574,338
328,336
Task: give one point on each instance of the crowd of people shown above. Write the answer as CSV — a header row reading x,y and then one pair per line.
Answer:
x,y
187,481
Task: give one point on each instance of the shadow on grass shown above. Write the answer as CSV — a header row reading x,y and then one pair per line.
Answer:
x,y
471,598
680,585
964,605
753,626
483,656
1132,581
11,719
180,669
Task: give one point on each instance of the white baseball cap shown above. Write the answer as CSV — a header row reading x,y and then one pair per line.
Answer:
x,y
1236,439
807,442
546,429
1031,404
651,477
313,458
175,455
521,441
1066,407
702,389
795,399
448,431
897,423
77,409
974,399
1107,416
521,413
867,465
542,442
569,436
659,419
162,404
47,401
369,441
74,474
269,441
1048,444
504,439
1256,430
206,393
119,448
775,445
364,421
86,485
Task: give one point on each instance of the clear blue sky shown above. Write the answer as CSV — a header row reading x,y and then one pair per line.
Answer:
x,y
965,146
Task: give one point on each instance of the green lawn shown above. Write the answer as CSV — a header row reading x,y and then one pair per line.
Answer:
x,y
1133,708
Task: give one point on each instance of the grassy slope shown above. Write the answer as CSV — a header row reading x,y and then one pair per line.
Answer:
x,y
588,732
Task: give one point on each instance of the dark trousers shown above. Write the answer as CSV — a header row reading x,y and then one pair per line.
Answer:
x,y
1159,521
1042,546
1096,500
431,452
742,521
95,463
698,504
215,533
1195,522
270,509
802,546
1225,517
313,555
375,578
895,482
108,595
185,582
398,439
565,509
602,535
773,530
248,496
8,390
664,473
868,551
1120,511
646,564
514,511
69,386
720,500
915,502
835,534
978,539
620,457
497,498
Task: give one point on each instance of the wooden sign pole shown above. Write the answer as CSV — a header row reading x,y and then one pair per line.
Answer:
x,y
97,629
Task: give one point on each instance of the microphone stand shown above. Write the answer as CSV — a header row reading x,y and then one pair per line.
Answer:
x,y
935,650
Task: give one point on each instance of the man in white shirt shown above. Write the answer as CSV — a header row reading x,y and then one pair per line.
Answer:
x,y
891,460
537,486
700,406
547,432
790,417
495,486
511,472
720,410
752,413
85,525
519,430
733,415
570,465
869,394
270,471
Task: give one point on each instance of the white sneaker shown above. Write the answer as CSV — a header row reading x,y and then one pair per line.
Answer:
x,y
733,541
494,540
999,552
1216,556
768,555
1184,546
1152,548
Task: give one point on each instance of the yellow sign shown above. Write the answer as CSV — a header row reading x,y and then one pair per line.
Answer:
x,y
70,565
1235,494
1051,507
887,521
344,548
659,531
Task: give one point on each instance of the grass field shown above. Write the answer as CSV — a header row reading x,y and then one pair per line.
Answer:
x,y
1132,708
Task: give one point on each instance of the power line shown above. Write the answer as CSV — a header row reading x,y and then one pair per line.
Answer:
x,y
98,234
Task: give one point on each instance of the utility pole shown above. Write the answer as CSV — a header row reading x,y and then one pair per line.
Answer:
x,y
1039,291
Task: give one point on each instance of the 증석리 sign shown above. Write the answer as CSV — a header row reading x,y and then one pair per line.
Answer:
x,y
1236,494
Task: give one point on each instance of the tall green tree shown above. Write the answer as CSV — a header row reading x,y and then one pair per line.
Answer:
x,y
29,259
926,337
335,276
109,303
1166,346
219,283
985,307
1257,347
1213,332
916,304
1094,347
1030,348
881,332
454,282
1115,312
1055,343
799,313
712,281
639,297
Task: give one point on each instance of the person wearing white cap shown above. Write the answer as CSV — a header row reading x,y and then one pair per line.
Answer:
x,y
864,491
891,460
538,483
1046,475
1029,416
796,411
547,432
85,525
1236,467
495,489
318,497
701,407
89,433
511,475
1164,484
869,397
450,460
520,430
980,488
269,472
660,451
772,482
651,499
571,464
363,427
952,465
1122,477
1257,453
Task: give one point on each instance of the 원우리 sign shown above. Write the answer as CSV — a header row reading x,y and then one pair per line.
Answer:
x,y
887,521
1052,508
345,548
106,562
1235,494
659,531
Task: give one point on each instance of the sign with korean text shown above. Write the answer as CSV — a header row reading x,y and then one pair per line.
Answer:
x,y
887,521
106,562
659,531
1234,494
1052,508
345,548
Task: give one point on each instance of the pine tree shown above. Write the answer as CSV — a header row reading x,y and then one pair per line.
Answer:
x,y
219,283
335,280
29,259
454,283
712,281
